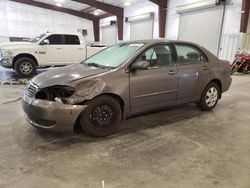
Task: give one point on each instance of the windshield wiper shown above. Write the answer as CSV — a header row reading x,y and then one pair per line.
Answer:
x,y
97,65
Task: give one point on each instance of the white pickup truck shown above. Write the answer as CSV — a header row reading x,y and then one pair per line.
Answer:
x,y
48,49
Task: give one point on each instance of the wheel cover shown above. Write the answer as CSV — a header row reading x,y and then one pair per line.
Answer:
x,y
26,67
211,96
103,115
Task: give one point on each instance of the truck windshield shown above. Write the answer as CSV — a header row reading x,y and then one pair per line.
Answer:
x,y
114,56
34,40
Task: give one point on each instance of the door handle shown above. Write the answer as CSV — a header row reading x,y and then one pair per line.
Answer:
x,y
58,48
80,48
172,72
205,68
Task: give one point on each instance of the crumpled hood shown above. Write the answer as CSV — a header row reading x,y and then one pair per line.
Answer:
x,y
65,75
15,44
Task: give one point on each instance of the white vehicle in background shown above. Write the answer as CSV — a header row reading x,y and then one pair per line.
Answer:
x,y
48,49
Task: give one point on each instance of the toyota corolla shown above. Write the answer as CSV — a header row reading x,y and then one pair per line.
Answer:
x,y
123,80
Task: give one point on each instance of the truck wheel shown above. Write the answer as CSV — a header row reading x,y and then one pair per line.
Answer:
x,y
101,117
210,97
25,67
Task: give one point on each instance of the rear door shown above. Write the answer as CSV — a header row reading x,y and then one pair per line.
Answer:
x,y
74,51
155,87
194,72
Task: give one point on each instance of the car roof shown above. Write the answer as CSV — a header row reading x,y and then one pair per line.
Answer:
x,y
63,33
155,41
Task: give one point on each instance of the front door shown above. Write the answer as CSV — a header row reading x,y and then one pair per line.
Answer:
x,y
155,87
194,72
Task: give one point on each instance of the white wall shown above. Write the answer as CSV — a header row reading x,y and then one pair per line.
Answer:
x,y
139,9
106,20
20,20
231,22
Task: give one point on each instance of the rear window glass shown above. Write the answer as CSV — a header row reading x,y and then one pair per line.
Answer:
x,y
188,54
72,40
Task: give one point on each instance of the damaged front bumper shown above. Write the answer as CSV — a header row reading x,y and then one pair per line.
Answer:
x,y
6,61
51,115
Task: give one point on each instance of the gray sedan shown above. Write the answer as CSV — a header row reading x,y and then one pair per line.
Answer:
x,y
123,80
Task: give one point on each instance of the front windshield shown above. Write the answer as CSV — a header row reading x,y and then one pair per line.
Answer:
x,y
115,55
34,40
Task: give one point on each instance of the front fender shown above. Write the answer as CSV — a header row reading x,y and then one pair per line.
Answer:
x,y
87,90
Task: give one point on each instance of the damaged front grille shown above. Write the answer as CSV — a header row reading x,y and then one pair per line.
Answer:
x,y
31,89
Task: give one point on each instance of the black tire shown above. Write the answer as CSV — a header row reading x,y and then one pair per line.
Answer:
x,y
25,67
204,104
92,119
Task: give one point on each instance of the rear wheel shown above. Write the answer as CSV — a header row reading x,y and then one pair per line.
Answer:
x,y
210,97
101,117
25,67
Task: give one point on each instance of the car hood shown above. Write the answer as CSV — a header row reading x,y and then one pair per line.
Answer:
x,y
66,75
15,44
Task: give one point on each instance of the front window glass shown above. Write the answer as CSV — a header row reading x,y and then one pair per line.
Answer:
x,y
115,55
157,56
55,39
36,39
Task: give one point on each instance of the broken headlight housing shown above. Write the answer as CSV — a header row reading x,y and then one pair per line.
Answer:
x,y
55,93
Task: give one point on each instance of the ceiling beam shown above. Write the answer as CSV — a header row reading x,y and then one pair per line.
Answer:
x,y
115,10
111,9
162,3
58,9
244,15
105,15
162,12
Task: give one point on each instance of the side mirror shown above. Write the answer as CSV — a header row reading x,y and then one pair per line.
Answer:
x,y
140,65
45,42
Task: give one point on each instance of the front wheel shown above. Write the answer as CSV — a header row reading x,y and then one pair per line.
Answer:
x,y
210,97
25,67
101,117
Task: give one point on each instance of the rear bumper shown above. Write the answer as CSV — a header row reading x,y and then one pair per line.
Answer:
x,y
6,62
227,83
51,115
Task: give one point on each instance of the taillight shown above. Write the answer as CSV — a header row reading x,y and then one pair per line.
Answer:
x,y
229,66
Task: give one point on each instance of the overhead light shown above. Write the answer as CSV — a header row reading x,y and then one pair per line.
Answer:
x,y
96,13
127,3
58,4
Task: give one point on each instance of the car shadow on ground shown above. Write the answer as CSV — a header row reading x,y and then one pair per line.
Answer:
x,y
170,118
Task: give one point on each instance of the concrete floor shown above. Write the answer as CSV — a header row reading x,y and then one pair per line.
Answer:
x,y
179,148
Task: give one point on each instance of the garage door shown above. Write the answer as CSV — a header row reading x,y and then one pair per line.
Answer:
x,y
202,27
141,29
109,35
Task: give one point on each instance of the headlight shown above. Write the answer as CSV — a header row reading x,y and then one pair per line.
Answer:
x,y
55,93
6,53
